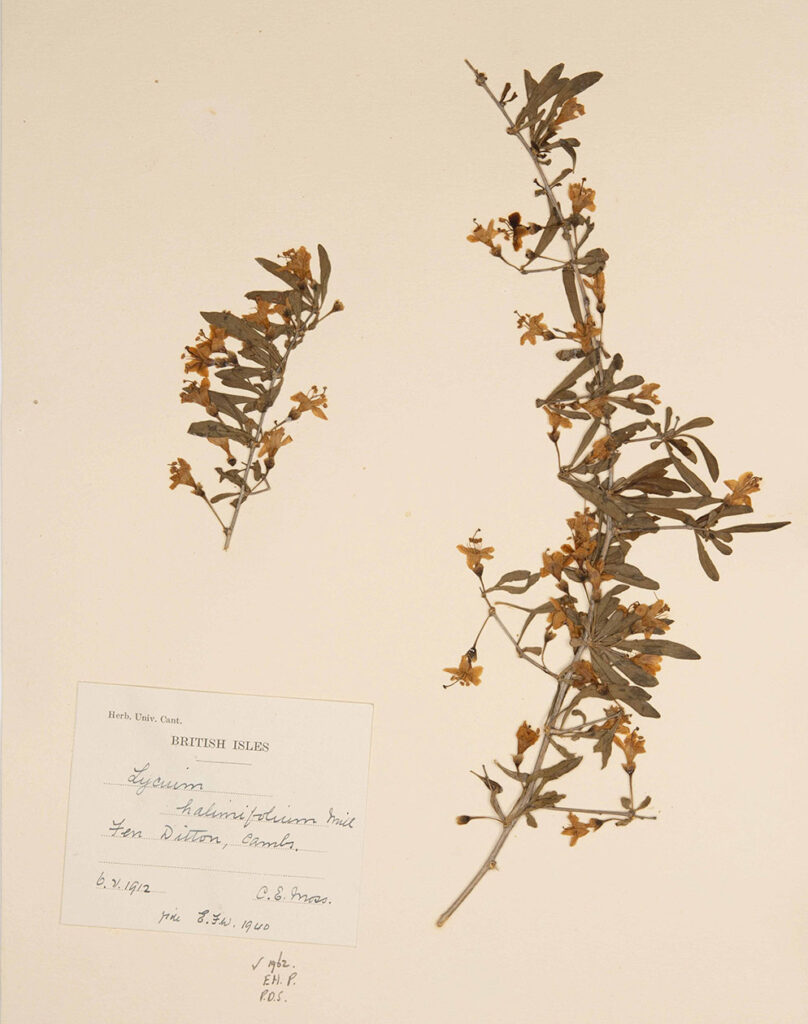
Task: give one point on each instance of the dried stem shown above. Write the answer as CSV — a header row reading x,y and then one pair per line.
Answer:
x,y
244,491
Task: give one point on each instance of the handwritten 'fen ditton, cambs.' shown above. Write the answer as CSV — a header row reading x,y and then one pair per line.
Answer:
x,y
603,675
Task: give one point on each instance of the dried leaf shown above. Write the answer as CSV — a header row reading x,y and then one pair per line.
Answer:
x,y
557,770
546,799
568,277
705,560
212,428
325,270
756,527
490,784
526,578
709,459
667,648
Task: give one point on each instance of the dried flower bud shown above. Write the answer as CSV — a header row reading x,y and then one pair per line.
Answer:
x,y
337,307
462,819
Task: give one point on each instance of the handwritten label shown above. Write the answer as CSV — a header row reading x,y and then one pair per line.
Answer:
x,y
277,978
217,814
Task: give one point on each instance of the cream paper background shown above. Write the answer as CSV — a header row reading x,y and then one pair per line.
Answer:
x,y
152,149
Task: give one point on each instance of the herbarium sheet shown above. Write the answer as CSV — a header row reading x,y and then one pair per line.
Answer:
x,y
177,717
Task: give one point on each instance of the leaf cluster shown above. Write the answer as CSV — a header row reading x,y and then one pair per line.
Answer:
x,y
238,385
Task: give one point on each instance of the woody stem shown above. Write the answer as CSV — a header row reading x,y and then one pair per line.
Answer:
x,y
521,804
228,533
244,491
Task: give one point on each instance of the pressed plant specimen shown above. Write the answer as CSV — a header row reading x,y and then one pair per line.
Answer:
x,y
250,381
633,473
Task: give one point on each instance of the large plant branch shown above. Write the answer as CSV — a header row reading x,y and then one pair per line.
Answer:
x,y
602,536
531,789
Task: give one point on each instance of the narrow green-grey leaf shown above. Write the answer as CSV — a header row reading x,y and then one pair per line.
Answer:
x,y
276,298
578,371
212,428
548,799
710,460
632,671
757,527
523,575
281,272
568,277
632,575
555,771
691,478
704,559
325,269
694,424
546,237
575,86
667,648
586,439
597,497
490,784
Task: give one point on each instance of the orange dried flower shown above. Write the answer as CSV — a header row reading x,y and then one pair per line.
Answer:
x,y
583,526
485,235
598,407
583,674
199,360
614,711
224,444
560,616
554,562
198,393
649,621
570,109
314,401
650,663
647,392
536,327
515,229
584,334
475,553
556,418
272,442
466,674
298,262
525,738
180,472
631,745
577,829
740,489
597,576
583,198
597,285
602,449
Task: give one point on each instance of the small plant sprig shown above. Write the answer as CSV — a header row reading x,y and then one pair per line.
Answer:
x,y
602,676
250,381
